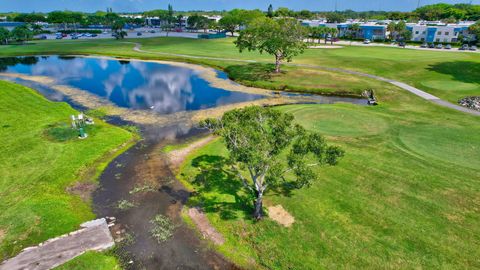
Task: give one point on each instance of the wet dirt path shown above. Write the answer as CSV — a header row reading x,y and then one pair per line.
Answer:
x,y
145,165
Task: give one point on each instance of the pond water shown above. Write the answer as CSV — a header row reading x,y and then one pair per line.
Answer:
x,y
137,85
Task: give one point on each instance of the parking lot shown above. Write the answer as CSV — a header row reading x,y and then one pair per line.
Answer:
x,y
145,33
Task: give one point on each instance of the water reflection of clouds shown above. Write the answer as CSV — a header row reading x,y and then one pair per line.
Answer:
x,y
60,71
164,90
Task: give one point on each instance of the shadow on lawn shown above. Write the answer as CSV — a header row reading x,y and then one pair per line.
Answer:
x,y
464,71
215,185
251,72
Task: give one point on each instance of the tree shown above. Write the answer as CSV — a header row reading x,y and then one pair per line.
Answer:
x,y
22,33
230,22
282,38
335,17
4,35
117,29
354,29
198,22
391,30
170,11
256,137
304,14
270,11
284,12
474,29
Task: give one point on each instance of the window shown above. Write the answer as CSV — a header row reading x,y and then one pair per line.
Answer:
x,y
438,40
416,32
424,32
439,33
446,33
456,33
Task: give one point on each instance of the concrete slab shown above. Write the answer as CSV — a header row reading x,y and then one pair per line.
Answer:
x,y
94,236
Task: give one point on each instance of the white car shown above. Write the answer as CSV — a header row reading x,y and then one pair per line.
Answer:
x,y
366,41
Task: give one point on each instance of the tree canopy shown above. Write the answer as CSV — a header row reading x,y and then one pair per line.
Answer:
x,y
258,138
282,38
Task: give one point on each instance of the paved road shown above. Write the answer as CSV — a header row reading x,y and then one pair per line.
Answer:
x,y
94,235
401,85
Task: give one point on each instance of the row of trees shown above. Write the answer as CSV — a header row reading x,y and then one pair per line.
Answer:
x,y
19,34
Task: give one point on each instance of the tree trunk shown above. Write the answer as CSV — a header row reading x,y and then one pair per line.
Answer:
x,y
258,213
278,62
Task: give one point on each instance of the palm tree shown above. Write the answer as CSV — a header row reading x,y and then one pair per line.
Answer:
x,y
354,29
334,32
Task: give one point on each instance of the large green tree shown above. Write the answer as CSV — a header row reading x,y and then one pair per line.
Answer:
x,y
474,29
282,38
267,150
4,35
230,22
22,33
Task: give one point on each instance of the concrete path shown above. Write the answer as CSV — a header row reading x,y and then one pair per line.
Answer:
x,y
94,236
403,86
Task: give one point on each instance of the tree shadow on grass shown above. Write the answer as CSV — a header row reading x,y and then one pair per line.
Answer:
x,y
215,185
464,71
251,72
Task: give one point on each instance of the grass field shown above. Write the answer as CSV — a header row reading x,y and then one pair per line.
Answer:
x,y
449,75
404,197
39,160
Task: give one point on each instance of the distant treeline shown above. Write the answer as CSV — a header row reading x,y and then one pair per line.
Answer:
x,y
444,12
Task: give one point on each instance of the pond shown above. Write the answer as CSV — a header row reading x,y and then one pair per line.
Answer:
x,y
136,85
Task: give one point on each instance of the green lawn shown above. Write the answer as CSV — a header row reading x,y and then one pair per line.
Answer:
x,y
404,197
91,261
449,75
39,160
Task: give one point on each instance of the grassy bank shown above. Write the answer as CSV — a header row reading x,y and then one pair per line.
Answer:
x,y
405,195
41,159
449,75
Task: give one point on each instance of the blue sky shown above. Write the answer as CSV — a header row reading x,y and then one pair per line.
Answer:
x,y
140,5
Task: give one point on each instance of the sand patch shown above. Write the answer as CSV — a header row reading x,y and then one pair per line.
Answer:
x,y
325,47
280,215
177,157
2,235
202,223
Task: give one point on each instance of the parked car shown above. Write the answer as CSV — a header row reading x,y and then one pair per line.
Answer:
x,y
401,44
94,35
439,46
59,37
42,37
448,47
87,35
366,41
152,31
464,47
431,45
139,34
424,45
74,37
64,35
473,48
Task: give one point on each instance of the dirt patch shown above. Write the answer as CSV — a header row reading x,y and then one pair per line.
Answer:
x,y
325,47
2,234
202,223
83,189
177,157
280,215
